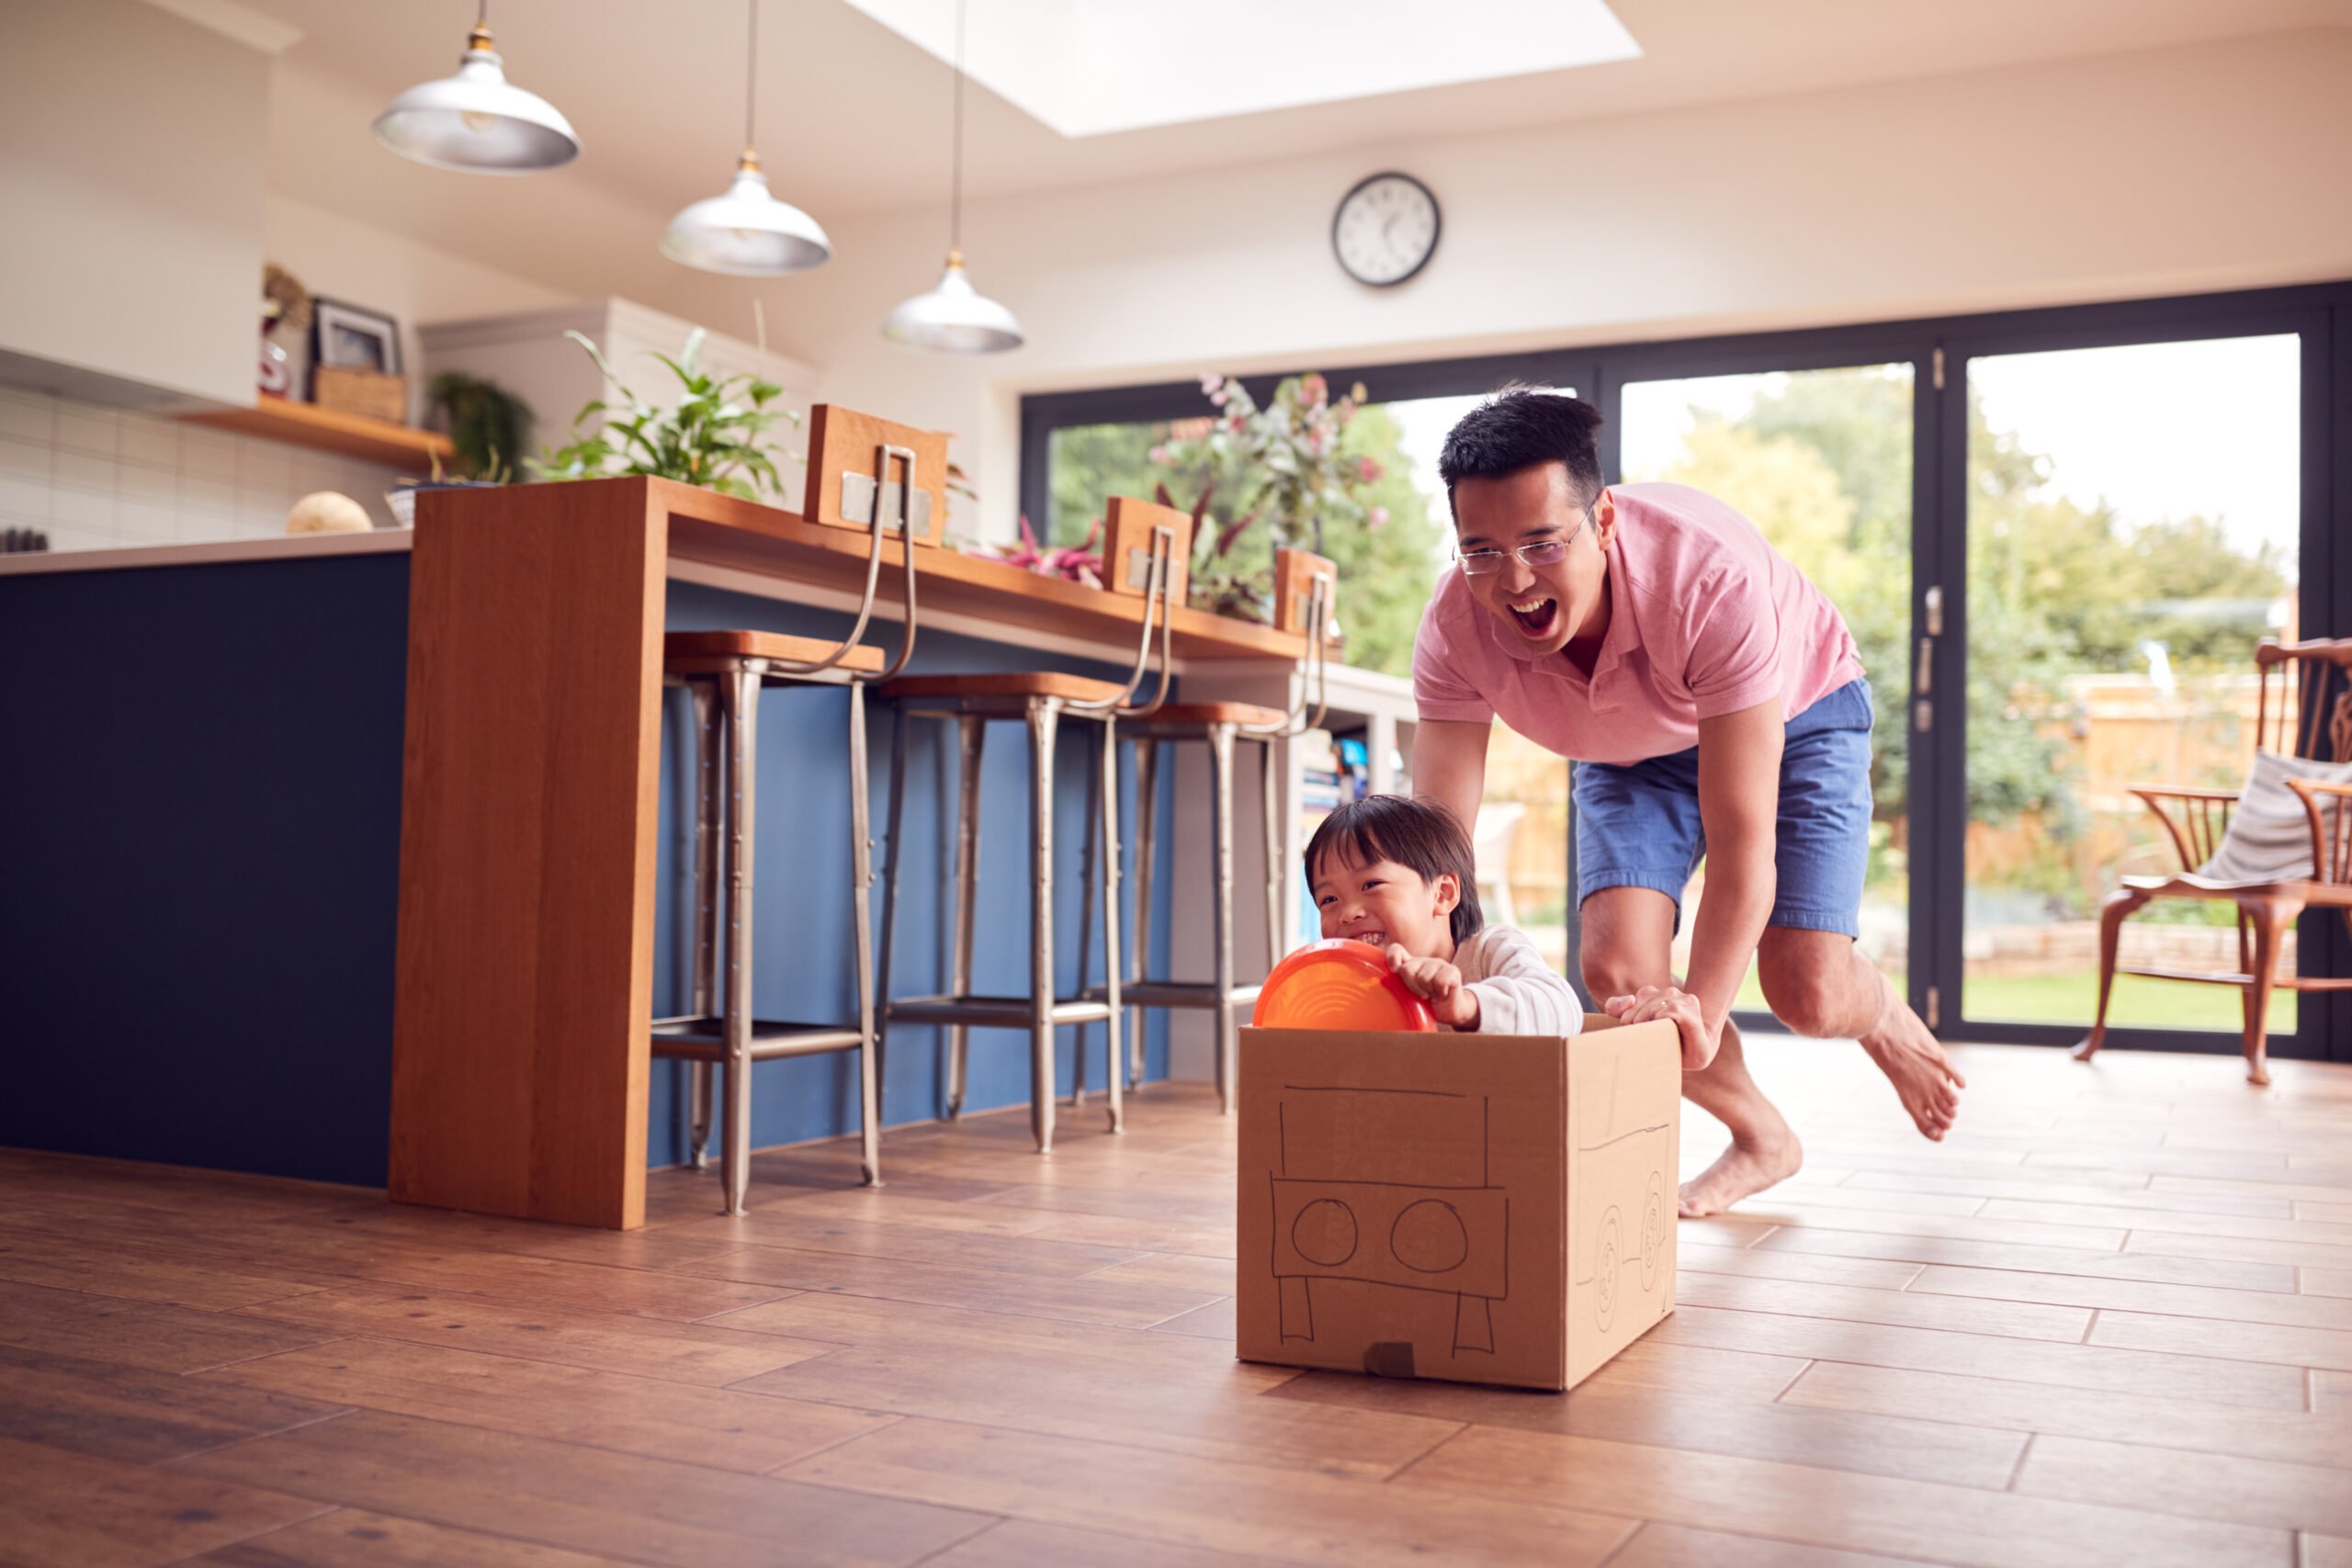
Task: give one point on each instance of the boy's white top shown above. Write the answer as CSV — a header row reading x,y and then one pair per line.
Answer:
x,y
1517,992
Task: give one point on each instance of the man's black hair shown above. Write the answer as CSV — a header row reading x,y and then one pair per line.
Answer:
x,y
1517,428
1415,834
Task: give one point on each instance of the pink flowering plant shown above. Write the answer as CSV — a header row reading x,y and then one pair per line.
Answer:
x,y
1081,563
1284,466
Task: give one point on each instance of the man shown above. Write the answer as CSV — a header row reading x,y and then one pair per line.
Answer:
x,y
1714,703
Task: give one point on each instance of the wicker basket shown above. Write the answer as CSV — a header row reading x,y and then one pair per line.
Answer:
x,y
364,392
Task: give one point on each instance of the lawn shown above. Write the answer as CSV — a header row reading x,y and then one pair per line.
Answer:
x,y
2070,998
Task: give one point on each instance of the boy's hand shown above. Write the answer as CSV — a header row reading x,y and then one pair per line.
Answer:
x,y
1438,983
1666,1001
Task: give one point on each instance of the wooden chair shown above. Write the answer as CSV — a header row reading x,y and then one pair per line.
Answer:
x,y
2313,715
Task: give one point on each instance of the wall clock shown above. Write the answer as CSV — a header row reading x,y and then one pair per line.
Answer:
x,y
1385,229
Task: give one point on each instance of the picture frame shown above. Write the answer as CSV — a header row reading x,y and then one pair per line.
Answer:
x,y
351,337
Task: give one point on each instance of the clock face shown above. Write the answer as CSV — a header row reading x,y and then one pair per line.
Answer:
x,y
1385,229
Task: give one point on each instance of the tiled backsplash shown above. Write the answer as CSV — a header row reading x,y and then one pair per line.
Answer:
x,y
94,477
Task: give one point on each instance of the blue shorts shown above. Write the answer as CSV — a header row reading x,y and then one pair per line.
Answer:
x,y
1637,824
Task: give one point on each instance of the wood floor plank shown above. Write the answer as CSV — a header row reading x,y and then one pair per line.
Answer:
x,y
1074,1301
1875,1273
1017,1543
2096,1366
2048,1191
888,1205
2326,1551
1031,1392
2277,1307
1891,1222
2325,1281
77,1510
542,1399
135,1334
2258,1342
2176,1222
2293,1436
354,1537
1831,1508
785,1225
1207,1276
67,1263
1693,1422
1852,1304
1207,1504
133,1412
2261,1492
2223,1273
677,1352
2286,1184
1675,1546
585,1499
1144,1236
2236,1250
1214,1322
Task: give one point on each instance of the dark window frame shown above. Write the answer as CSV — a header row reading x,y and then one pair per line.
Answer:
x,y
2321,312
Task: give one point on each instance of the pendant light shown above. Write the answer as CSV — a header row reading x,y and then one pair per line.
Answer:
x,y
747,231
477,122
954,318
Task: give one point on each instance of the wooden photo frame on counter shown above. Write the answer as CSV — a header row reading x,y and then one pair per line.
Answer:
x,y
841,445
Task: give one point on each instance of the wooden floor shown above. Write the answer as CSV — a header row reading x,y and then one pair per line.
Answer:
x,y
2109,1322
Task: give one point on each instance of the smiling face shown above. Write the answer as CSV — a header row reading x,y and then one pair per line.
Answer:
x,y
1545,607
1380,902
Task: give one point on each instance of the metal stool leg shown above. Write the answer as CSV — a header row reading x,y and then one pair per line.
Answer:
x,y
739,696
1146,821
709,805
1044,715
892,840
861,882
1086,882
1277,873
1221,922
1107,773
968,863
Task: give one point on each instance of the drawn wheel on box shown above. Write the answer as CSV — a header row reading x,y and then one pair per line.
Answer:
x,y
1653,1229
1606,1262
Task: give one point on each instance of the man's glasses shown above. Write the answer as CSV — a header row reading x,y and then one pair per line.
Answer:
x,y
1542,553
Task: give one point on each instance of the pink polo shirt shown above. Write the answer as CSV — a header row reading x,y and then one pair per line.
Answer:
x,y
1706,620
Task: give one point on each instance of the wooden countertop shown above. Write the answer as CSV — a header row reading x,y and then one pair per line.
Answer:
x,y
744,535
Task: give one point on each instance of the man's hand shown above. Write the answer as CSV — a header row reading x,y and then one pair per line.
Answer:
x,y
1698,1042
1438,983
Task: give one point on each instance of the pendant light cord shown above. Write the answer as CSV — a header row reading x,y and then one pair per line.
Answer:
x,y
751,77
955,187
482,15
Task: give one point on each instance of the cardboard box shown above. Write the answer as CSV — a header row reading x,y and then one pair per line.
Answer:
x,y
1478,1208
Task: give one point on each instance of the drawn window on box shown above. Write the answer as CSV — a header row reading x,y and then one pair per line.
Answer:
x,y
1449,1235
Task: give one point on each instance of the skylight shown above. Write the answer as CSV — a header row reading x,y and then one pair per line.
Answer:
x,y
1092,67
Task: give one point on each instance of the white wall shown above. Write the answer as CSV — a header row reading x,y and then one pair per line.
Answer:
x,y
2221,165
414,284
131,154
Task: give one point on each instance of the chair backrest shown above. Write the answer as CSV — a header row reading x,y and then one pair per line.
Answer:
x,y
2311,716
1140,534
1297,575
848,452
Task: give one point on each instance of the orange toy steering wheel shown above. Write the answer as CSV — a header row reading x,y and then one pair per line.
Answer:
x,y
1339,984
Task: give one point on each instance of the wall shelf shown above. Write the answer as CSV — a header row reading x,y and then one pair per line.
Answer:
x,y
352,435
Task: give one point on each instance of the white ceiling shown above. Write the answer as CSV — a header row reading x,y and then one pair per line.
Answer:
x,y
854,118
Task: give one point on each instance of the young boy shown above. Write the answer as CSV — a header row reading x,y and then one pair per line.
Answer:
x,y
1400,874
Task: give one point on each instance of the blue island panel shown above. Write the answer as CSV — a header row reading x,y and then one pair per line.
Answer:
x,y
199,852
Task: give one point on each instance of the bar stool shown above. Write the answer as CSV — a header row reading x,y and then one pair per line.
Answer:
x,y
1148,546
1305,585
723,672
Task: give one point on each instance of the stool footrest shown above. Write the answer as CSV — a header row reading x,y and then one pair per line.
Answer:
x,y
1176,993
1002,1012
704,1039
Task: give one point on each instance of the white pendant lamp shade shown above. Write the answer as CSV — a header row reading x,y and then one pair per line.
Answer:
x,y
747,231
477,121
953,318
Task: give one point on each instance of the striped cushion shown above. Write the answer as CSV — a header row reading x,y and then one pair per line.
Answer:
x,y
2269,838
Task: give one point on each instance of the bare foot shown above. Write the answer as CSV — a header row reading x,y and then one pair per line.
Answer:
x,y
1745,1169
1923,1078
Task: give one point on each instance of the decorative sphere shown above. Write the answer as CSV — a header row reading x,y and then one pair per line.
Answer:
x,y
328,511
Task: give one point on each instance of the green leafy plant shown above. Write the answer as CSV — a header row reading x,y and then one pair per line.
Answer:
x,y
713,437
488,426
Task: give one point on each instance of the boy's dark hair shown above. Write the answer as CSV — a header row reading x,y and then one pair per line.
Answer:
x,y
1517,428
1415,834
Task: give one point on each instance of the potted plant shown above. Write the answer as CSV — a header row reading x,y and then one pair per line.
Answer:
x,y
712,436
487,424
